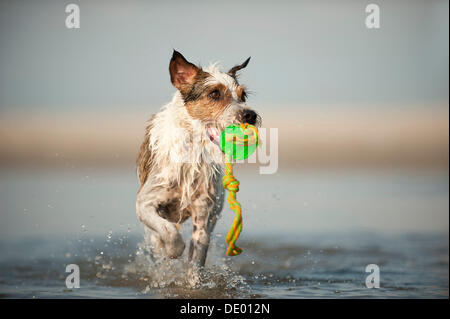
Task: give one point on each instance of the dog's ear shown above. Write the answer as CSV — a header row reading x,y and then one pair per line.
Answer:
x,y
236,68
182,72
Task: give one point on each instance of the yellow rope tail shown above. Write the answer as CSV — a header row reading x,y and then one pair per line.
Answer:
x,y
232,185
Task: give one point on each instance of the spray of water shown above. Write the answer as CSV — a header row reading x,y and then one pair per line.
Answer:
x,y
173,278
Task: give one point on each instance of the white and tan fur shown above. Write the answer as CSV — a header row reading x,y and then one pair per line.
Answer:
x,y
180,164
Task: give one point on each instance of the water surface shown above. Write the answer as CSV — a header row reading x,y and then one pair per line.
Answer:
x,y
306,235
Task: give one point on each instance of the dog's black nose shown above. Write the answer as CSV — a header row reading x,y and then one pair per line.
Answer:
x,y
249,117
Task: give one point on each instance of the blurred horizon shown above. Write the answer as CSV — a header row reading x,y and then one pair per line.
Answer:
x,y
329,138
341,95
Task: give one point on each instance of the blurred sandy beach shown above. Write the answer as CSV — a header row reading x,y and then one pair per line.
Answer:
x,y
377,137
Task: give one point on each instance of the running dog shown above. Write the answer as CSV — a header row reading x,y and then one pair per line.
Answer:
x,y
180,162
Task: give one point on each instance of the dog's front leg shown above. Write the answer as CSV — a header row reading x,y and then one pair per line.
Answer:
x,y
165,234
203,220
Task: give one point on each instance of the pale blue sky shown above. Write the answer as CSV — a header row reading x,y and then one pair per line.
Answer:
x,y
303,52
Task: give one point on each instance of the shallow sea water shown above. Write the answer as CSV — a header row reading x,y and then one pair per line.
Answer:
x,y
305,236
411,266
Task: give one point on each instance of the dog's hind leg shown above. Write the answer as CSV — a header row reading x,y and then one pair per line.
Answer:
x,y
166,233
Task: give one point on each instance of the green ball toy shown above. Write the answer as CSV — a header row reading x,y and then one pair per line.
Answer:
x,y
238,142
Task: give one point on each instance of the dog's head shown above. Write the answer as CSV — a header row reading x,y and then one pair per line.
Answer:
x,y
211,96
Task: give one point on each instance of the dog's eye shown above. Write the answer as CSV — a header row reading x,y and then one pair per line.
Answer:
x,y
215,95
244,96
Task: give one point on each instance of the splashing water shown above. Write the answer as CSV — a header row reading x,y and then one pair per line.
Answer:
x,y
169,277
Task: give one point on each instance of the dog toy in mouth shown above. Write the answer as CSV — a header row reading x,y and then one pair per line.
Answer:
x,y
238,142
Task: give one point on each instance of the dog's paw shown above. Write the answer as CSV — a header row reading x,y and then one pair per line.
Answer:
x,y
174,244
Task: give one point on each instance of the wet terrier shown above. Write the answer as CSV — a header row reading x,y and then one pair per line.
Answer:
x,y
180,162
